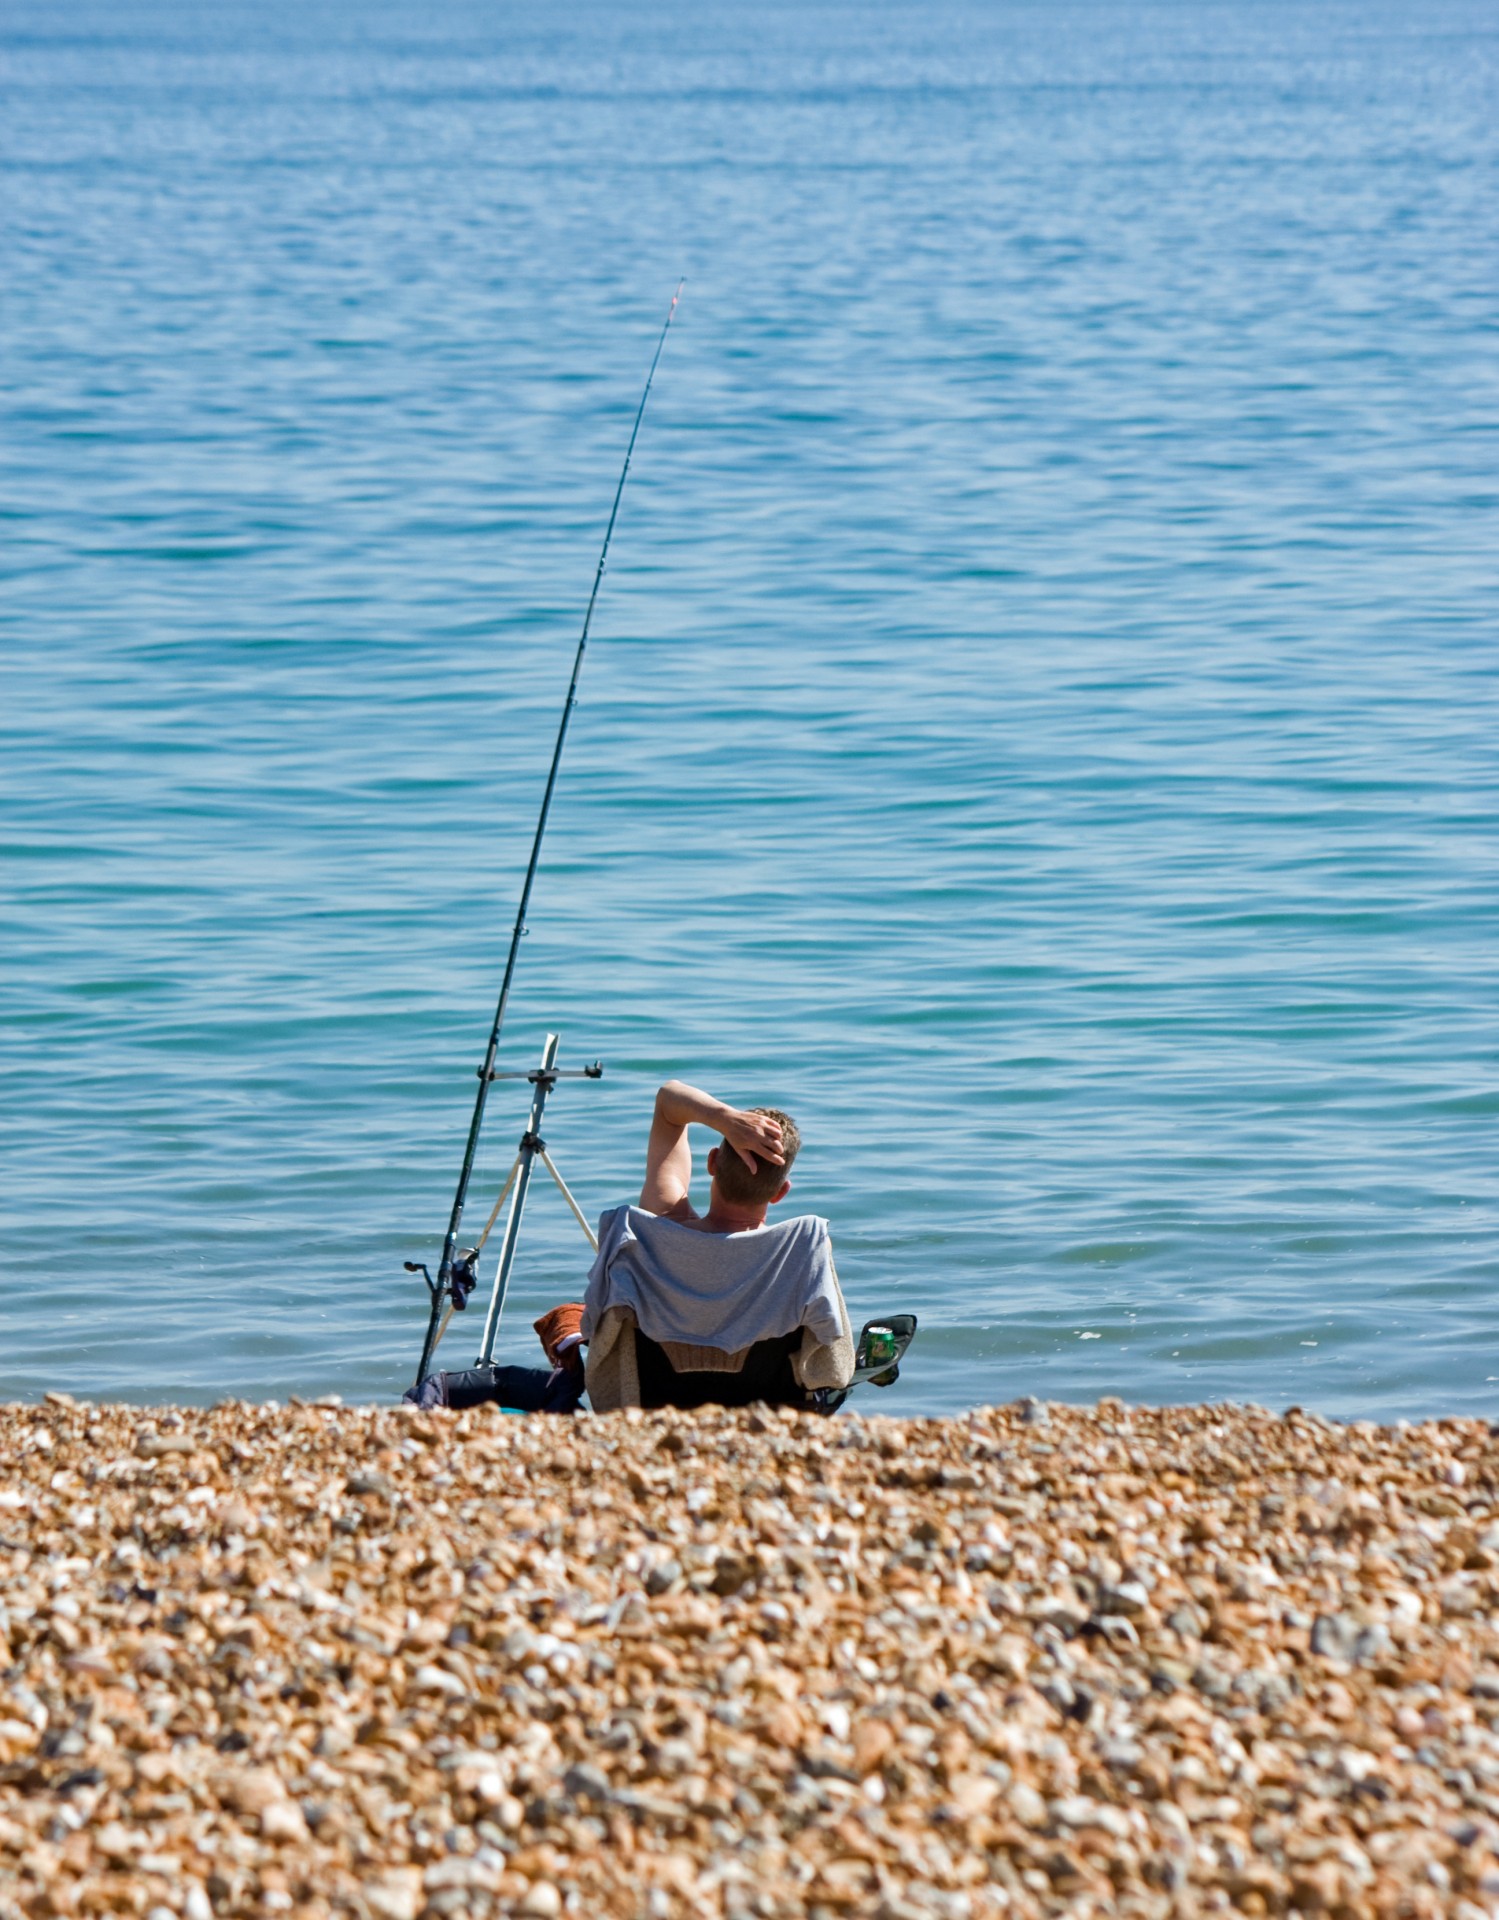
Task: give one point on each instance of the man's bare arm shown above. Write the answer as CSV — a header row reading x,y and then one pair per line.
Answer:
x,y
668,1160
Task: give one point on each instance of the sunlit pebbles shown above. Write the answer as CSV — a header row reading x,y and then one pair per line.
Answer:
x,y
1038,1660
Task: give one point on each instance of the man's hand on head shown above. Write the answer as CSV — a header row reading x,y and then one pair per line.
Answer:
x,y
754,1137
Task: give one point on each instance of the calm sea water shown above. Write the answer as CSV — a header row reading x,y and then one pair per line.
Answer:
x,y
1042,720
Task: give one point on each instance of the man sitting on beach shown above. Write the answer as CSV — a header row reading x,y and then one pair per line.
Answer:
x,y
683,1308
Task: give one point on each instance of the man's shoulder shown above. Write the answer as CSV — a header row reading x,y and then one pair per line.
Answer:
x,y
630,1216
802,1252
807,1228
631,1213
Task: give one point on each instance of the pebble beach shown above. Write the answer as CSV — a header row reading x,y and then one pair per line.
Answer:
x,y
320,1660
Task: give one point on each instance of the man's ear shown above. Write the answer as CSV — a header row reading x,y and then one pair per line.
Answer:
x,y
712,1161
785,1188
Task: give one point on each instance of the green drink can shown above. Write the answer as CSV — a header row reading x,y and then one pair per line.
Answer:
x,y
881,1347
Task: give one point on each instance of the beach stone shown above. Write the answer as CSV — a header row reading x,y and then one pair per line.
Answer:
x,y
1129,1598
586,1783
461,1873
1372,1643
249,1791
1212,1680
1163,1664
395,1894
283,1820
1027,1805
663,1577
1080,1811
1334,1636
873,1740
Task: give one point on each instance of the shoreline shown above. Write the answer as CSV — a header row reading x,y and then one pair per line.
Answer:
x,y
1033,1659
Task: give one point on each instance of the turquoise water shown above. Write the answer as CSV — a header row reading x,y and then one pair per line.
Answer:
x,y
1041,723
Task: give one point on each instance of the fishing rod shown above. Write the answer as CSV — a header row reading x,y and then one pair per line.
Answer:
x,y
443,1288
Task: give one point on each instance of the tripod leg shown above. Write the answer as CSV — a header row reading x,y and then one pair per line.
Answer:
x,y
529,1147
578,1215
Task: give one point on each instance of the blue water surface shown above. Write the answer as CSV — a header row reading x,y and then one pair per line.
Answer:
x,y
1040,727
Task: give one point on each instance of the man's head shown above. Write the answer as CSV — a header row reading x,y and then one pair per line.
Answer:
x,y
769,1182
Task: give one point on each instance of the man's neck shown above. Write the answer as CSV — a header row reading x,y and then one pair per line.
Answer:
x,y
724,1217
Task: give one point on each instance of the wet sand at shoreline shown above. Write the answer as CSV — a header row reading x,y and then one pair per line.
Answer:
x,y
1034,1660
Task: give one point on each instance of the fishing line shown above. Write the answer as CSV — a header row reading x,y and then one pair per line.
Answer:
x,y
442,1287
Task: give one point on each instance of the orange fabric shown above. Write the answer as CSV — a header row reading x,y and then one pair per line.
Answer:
x,y
556,1325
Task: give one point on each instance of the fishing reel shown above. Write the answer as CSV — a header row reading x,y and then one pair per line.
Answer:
x,y
463,1277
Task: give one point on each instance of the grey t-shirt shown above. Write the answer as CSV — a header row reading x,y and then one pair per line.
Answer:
x,y
724,1290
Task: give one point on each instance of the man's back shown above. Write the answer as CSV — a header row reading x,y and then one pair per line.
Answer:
x,y
720,1290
